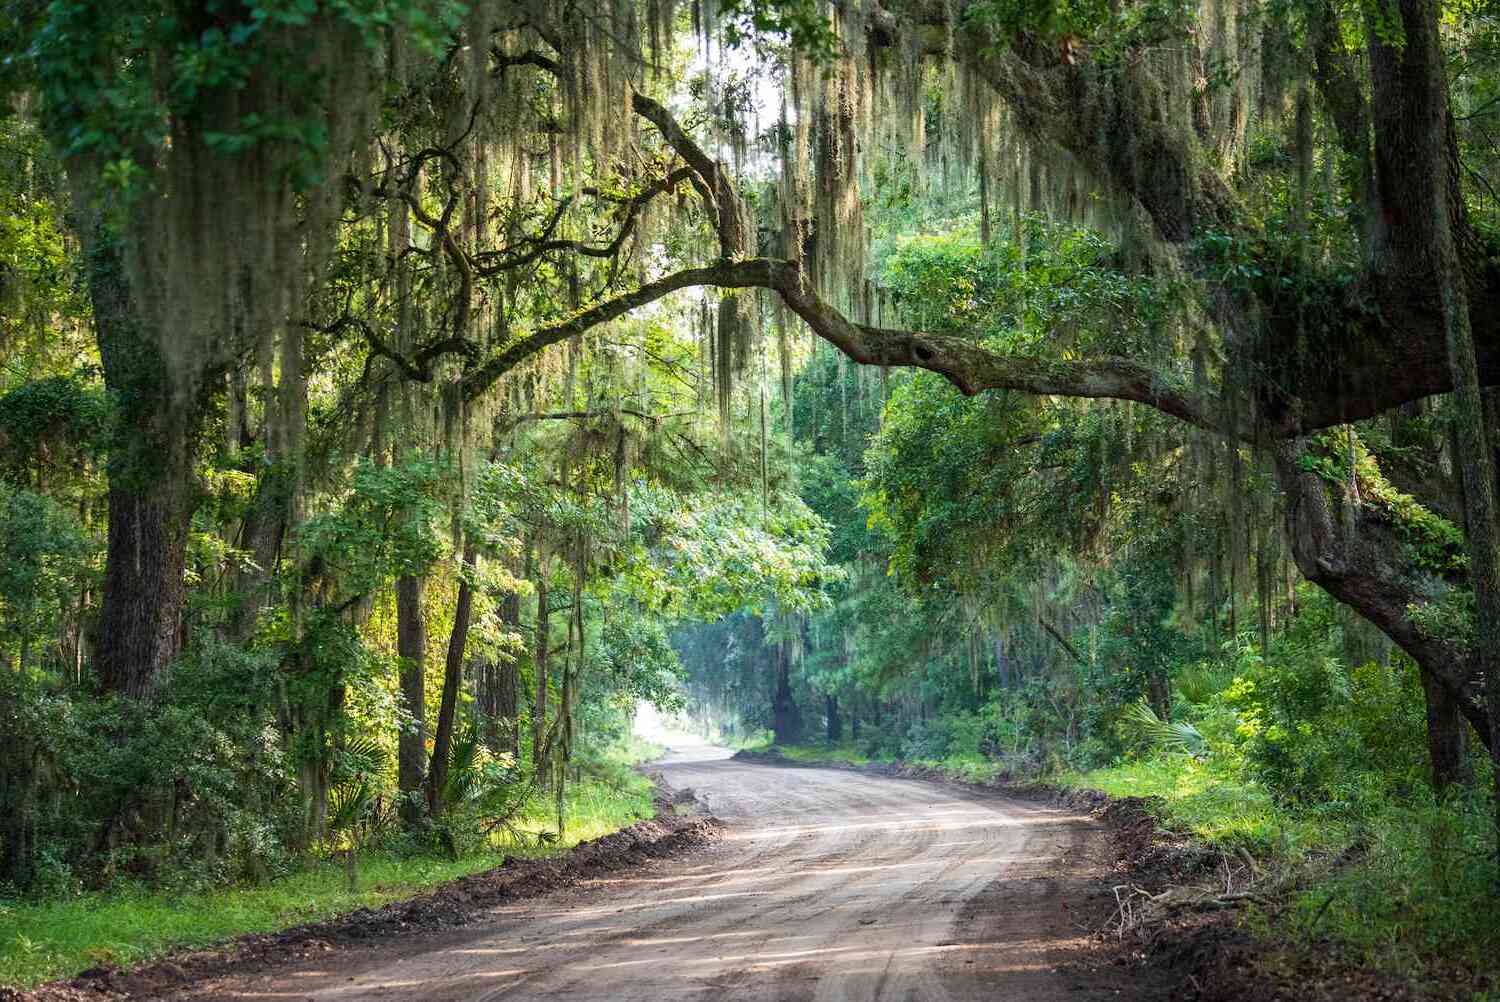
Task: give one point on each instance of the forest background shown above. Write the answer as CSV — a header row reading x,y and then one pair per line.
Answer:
x,y
397,394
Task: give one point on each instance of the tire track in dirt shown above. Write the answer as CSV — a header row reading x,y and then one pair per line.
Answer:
x,y
827,886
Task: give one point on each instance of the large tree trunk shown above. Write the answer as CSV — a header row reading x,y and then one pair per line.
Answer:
x,y
1447,735
1422,232
151,492
1365,570
453,672
835,723
140,625
411,646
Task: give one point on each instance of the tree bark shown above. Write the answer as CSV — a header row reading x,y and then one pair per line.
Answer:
x,y
786,719
151,490
411,646
453,673
508,681
1422,232
540,641
835,723
1447,735
1366,571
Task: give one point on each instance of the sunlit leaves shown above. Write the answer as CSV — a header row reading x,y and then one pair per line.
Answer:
x,y
1054,290
389,525
714,552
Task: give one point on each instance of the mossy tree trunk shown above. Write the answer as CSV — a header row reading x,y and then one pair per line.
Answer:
x,y
151,489
1423,230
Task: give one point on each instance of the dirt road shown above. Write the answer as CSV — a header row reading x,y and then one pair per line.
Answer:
x,y
828,885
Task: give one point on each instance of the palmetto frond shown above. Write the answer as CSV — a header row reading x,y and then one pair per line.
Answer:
x,y
1168,735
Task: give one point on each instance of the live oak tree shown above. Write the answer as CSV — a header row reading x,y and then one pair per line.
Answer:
x,y
449,199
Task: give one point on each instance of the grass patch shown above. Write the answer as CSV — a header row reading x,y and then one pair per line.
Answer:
x,y
756,740
1420,896
1218,808
846,753
968,768
633,748
41,941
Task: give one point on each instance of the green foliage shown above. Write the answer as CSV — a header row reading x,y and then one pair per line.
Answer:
x,y
1049,287
802,23
58,937
709,554
49,423
1214,804
1433,542
42,303
1420,896
117,79
390,524
1167,735
637,661
1114,29
45,558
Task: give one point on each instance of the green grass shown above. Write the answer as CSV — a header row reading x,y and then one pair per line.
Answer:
x,y
1218,808
758,740
969,768
40,941
824,753
633,748
1420,896
1195,798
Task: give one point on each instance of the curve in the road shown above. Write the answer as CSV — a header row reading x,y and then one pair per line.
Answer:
x,y
828,885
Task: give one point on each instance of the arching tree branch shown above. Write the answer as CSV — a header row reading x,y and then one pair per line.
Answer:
x,y
967,366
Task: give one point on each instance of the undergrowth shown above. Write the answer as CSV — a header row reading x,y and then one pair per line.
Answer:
x,y
44,940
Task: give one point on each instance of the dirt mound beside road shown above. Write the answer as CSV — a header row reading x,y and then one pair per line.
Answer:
x,y
448,905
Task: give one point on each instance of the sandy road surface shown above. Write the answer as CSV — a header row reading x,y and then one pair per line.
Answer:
x,y
828,885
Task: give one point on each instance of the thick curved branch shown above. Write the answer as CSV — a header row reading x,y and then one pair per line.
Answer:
x,y
1366,570
967,366
589,415
973,369
1379,341
757,272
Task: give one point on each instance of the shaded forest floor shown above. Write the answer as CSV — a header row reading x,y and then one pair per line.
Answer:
x,y
1203,914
